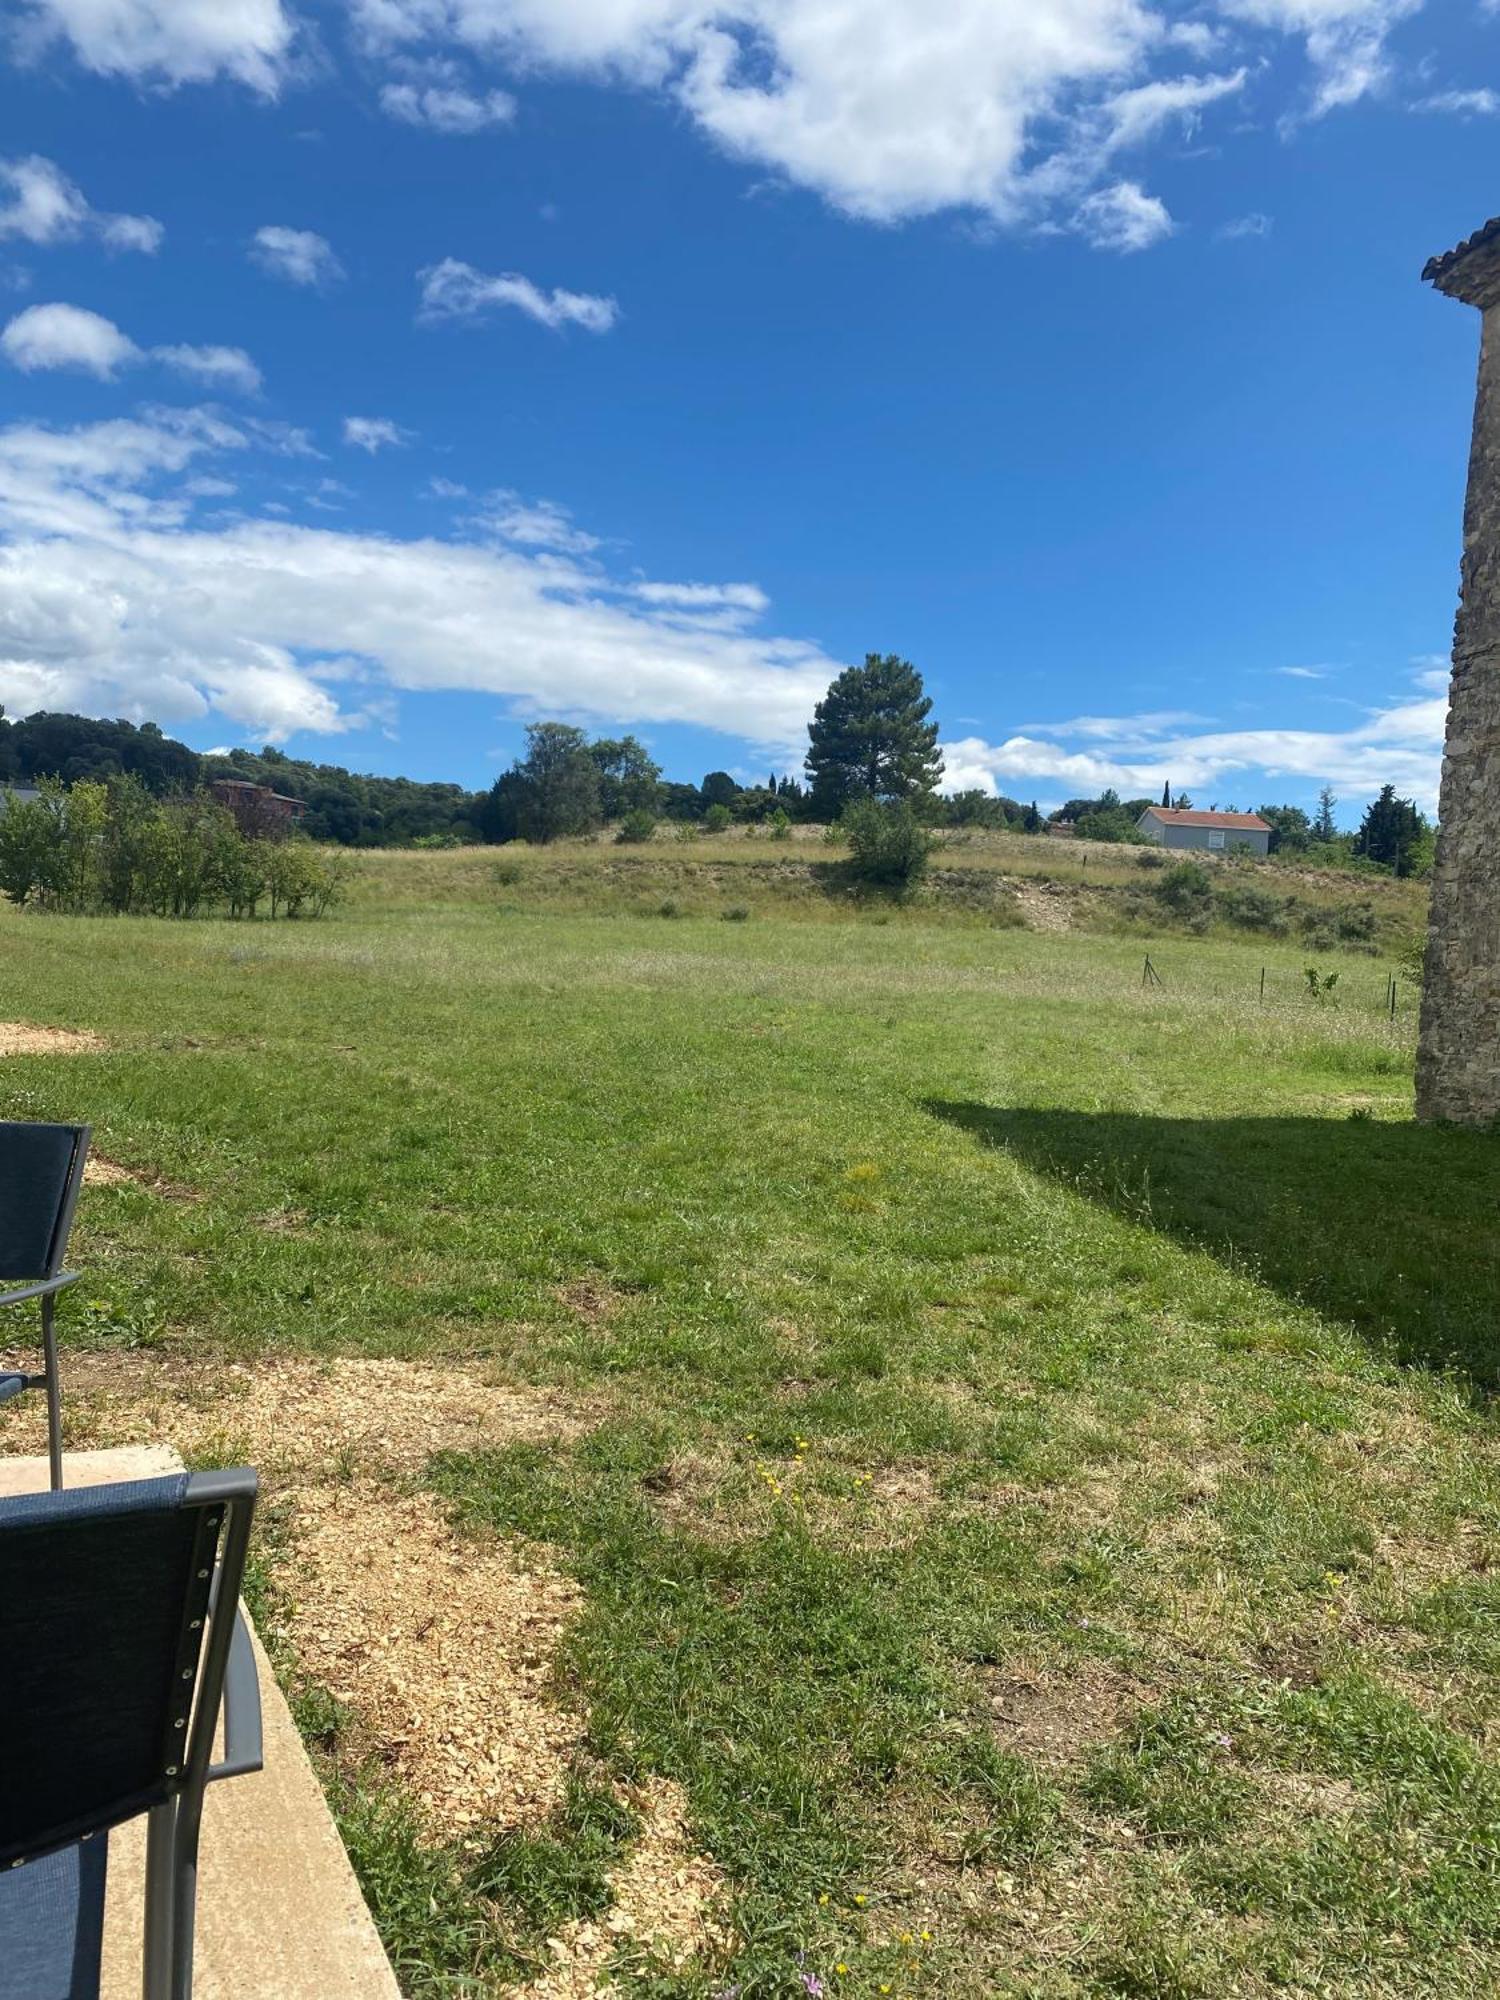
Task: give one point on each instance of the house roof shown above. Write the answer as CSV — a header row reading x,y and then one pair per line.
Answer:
x,y
1239,822
1469,271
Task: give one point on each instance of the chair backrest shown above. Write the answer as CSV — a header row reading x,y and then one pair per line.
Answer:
x,y
41,1170
108,1700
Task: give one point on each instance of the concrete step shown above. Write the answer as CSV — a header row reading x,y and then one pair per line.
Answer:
x,y
280,1914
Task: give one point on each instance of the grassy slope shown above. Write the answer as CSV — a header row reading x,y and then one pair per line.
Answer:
x,y
1051,1498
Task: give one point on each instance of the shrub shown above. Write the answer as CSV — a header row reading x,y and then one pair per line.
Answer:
x,y
1253,909
669,908
92,848
636,827
508,874
889,848
1188,894
780,825
737,913
1151,857
718,819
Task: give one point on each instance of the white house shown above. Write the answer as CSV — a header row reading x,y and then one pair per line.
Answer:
x,y
1218,833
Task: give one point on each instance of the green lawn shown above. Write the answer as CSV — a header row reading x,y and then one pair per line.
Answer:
x,y
1043,1497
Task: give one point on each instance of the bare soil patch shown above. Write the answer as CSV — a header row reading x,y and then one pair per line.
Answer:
x,y
594,1300
1054,1720
23,1038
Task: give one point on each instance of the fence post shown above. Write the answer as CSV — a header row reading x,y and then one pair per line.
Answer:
x,y
1263,986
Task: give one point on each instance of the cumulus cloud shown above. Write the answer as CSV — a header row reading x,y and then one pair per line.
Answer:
x,y
62,336
1123,217
300,256
39,204
112,602
454,290
447,107
218,367
167,41
1400,744
371,433
890,109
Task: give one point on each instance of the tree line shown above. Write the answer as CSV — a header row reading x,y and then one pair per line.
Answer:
x,y
114,847
871,737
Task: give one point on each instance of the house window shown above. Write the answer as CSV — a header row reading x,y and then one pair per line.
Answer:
x,y
1216,839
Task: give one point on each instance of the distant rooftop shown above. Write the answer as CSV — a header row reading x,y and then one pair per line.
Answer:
x,y
1239,822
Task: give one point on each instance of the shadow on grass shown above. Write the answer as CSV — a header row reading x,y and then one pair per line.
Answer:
x,y
1393,1228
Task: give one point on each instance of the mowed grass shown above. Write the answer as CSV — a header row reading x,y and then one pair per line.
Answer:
x,y
1043,1507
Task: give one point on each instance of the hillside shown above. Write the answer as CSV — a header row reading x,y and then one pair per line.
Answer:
x,y
1005,879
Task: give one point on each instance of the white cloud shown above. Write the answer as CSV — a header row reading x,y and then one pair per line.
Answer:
x,y
132,232
218,367
446,107
1345,39
891,109
110,602
1253,224
1123,217
454,290
537,524
41,205
1302,673
1400,745
446,489
1136,115
300,256
62,336
1481,103
167,41
371,433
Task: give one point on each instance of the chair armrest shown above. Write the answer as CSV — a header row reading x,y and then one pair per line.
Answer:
x,y
243,1747
43,1288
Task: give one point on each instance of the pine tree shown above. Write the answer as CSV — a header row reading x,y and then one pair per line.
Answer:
x,y
870,737
1323,825
1390,831
1166,796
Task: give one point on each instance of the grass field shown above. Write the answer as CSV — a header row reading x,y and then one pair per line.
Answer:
x,y
1034,1484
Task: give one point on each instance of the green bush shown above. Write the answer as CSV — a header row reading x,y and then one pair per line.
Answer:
x,y
91,849
889,848
718,819
636,827
737,913
1253,909
780,825
1187,893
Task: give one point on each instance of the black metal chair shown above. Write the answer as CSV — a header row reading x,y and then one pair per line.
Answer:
x,y
41,1172
120,1641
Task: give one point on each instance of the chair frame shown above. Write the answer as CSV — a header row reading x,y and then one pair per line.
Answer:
x,y
53,1280
227,1682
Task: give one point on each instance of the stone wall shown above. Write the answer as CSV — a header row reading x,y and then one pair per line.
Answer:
x,y
1458,1058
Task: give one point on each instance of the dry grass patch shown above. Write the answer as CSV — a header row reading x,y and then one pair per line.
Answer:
x,y
443,1649
666,1897
24,1038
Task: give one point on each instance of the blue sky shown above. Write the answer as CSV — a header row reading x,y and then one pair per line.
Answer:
x,y
379,376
